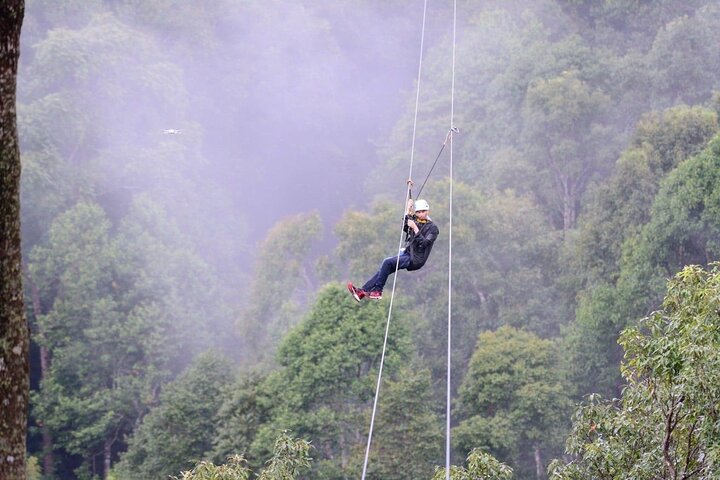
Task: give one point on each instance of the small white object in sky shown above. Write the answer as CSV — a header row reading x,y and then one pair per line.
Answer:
x,y
171,131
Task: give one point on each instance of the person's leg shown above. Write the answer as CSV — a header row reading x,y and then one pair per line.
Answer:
x,y
373,280
377,282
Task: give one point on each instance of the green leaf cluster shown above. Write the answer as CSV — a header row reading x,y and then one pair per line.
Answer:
x,y
182,425
282,285
117,311
290,457
480,465
621,258
665,424
513,402
328,366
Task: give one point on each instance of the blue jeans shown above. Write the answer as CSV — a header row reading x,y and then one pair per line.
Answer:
x,y
377,282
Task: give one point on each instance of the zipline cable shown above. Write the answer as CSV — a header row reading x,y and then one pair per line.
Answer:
x,y
397,264
450,229
437,157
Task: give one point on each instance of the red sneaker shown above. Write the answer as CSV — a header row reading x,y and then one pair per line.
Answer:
x,y
375,295
357,293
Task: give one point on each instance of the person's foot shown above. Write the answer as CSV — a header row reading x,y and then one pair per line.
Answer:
x,y
375,295
357,293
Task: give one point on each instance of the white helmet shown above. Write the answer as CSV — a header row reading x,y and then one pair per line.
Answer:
x,y
421,205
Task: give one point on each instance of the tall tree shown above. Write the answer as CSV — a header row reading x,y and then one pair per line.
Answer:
x,y
408,440
666,424
676,73
121,314
611,230
73,274
14,334
513,400
617,209
180,430
626,24
239,418
683,230
568,140
281,285
325,385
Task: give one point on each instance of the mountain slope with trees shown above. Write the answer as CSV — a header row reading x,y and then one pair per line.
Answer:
x,y
199,178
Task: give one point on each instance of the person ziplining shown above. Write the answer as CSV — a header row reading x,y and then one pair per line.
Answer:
x,y
421,234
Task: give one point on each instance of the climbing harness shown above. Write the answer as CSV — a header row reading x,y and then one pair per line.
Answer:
x,y
448,138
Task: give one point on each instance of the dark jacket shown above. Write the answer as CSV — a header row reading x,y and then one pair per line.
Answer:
x,y
420,244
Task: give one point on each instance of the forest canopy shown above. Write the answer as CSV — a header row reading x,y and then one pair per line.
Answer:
x,y
201,179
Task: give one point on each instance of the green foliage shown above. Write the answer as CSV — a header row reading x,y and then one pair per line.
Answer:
x,y
328,368
673,135
505,268
612,252
512,401
234,469
677,76
239,418
592,354
181,427
281,285
625,24
505,265
118,310
32,469
367,235
480,465
576,90
83,400
665,425
685,216
408,440
93,104
682,230
290,457
505,51
546,95
619,208
569,139
505,256
51,181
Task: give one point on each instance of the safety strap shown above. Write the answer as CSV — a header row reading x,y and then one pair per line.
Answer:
x,y
448,136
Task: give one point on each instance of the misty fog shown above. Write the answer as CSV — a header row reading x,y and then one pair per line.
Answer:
x,y
207,176
282,108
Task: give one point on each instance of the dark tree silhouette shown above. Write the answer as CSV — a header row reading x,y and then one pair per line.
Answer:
x,y
14,334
